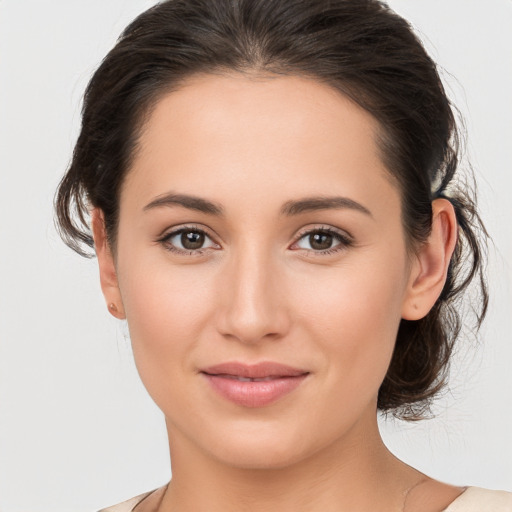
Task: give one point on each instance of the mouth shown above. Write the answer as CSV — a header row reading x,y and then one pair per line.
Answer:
x,y
249,379
263,370
254,385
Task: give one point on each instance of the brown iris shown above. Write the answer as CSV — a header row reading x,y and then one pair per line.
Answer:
x,y
320,241
192,240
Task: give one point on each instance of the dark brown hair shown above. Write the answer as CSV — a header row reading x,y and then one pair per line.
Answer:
x,y
359,47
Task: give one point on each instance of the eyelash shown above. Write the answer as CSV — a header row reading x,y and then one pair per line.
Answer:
x,y
164,240
345,241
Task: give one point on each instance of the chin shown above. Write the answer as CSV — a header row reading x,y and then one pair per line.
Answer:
x,y
260,447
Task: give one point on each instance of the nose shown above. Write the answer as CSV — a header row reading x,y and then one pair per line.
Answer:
x,y
253,302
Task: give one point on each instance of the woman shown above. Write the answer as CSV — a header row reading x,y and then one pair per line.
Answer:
x,y
274,206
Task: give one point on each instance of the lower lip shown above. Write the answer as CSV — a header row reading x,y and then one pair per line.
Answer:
x,y
254,393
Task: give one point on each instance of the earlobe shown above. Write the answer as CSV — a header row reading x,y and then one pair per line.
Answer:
x,y
430,265
107,269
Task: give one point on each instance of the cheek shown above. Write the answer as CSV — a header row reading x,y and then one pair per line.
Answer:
x,y
354,316
167,309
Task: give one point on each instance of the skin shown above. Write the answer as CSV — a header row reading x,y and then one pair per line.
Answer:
x,y
258,290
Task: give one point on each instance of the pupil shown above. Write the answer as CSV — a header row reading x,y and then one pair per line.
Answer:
x,y
320,241
192,240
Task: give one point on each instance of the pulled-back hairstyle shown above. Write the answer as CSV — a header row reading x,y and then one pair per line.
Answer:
x,y
359,47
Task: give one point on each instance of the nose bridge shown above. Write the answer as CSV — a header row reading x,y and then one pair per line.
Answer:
x,y
253,305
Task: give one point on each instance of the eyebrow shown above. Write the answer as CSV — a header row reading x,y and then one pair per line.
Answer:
x,y
309,204
290,208
187,201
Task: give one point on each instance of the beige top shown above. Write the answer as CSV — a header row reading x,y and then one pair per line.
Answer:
x,y
473,499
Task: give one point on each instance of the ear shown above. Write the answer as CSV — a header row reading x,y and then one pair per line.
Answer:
x,y
108,274
430,263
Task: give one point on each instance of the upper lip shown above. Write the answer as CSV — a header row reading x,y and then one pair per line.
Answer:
x,y
254,371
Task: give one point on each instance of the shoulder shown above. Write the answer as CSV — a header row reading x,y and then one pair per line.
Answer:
x,y
476,499
128,505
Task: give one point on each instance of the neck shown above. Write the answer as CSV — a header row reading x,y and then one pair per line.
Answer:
x,y
355,473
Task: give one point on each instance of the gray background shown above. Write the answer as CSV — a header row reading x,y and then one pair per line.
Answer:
x,y
77,429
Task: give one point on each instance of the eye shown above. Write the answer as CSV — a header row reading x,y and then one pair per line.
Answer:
x,y
323,241
188,240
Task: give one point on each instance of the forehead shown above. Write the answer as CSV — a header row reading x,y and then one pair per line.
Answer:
x,y
238,134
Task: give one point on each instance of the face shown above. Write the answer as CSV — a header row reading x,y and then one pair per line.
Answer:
x,y
259,224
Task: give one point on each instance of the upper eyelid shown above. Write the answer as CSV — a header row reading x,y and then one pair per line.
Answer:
x,y
329,229
168,232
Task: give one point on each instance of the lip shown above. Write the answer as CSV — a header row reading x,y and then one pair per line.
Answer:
x,y
281,380
254,371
